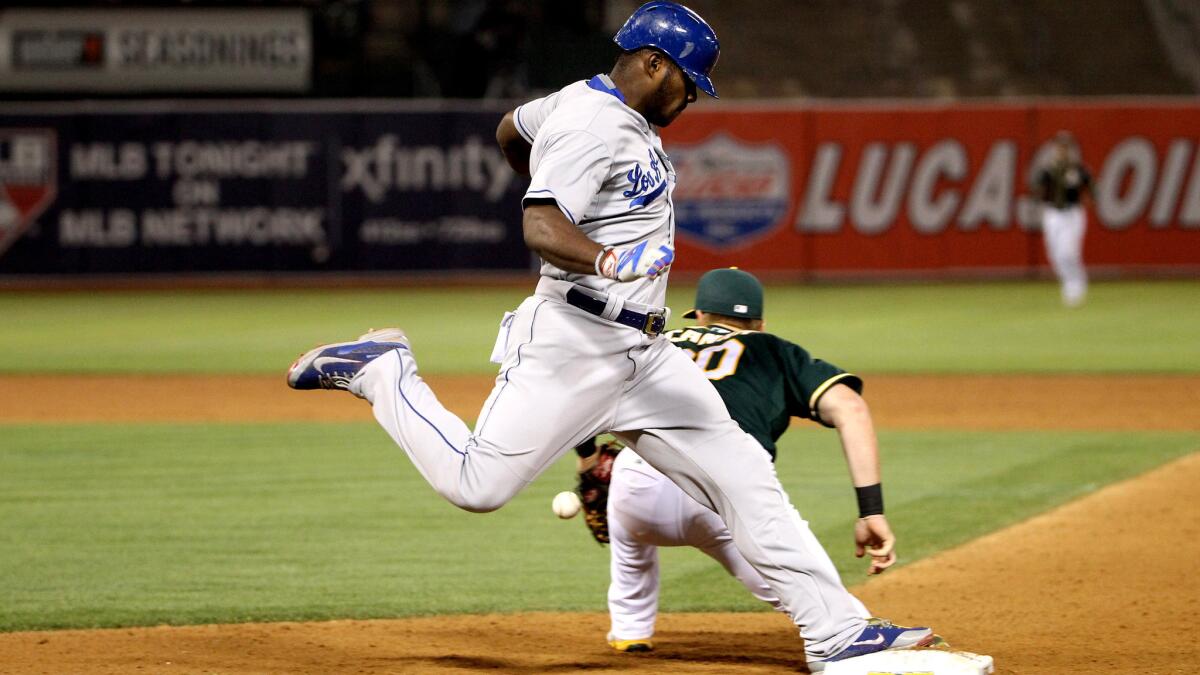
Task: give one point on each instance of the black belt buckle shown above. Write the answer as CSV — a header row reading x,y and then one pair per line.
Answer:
x,y
655,323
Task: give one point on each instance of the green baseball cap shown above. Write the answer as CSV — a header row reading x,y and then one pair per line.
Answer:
x,y
729,292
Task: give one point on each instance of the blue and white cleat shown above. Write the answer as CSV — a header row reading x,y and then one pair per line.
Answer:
x,y
333,366
879,635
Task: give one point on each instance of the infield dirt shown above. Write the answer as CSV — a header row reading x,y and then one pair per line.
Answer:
x,y
1101,585
986,402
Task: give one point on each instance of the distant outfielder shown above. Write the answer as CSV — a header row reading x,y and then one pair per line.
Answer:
x,y
584,354
1062,186
764,381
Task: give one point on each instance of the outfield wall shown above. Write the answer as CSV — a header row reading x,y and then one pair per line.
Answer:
x,y
883,188
240,186
309,186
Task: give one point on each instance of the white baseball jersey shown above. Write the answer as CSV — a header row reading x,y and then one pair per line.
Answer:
x,y
604,165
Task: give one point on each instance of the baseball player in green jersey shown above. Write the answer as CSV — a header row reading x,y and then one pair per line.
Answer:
x,y
764,381
1064,185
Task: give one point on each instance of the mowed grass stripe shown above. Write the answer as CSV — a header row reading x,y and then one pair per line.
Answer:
x,y
1125,327
107,525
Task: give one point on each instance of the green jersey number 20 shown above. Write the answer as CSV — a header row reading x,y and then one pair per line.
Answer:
x,y
719,361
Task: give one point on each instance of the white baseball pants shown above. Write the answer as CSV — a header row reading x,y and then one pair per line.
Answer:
x,y
1063,235
645,511
568,375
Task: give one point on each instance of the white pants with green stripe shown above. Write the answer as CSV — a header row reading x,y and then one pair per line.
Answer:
x,y
567,376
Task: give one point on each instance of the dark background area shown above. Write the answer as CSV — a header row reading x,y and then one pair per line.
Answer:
x,y
940,49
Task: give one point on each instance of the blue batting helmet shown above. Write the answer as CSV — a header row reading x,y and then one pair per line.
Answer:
x,y
677,32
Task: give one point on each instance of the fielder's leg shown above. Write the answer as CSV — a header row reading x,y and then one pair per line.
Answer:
x,y
633,589
642,515
678,423
654,510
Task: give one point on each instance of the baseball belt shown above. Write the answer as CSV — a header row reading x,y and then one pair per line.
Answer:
x,y
650,323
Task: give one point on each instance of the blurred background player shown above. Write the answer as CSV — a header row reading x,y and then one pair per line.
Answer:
x,y
1062,186
764,381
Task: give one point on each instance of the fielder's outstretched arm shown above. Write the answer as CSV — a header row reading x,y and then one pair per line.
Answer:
x,y
842,407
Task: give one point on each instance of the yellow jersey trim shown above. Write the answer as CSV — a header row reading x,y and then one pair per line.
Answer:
x,y
820,391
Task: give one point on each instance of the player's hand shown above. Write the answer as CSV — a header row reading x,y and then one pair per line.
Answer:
x,y
873,536
647,259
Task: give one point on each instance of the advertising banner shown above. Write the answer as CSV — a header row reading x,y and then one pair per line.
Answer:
x,y
926,189
851,190
146,50
256,190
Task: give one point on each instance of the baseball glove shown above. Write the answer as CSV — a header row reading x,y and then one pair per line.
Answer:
x,y
595,474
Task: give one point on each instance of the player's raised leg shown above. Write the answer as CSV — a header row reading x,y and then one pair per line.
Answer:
x,y
404,405
564,386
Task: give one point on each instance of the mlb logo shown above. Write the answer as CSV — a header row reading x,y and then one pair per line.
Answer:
x,y
28,179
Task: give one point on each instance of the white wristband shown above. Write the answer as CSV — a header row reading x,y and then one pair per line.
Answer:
x,y
600,272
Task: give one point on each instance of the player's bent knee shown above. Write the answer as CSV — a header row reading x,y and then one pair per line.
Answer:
x,y
478,503
481,507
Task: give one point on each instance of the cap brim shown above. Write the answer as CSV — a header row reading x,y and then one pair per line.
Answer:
x,y
704,84
690,314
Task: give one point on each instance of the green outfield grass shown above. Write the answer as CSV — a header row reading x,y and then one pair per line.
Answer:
x,y
106,525
983,327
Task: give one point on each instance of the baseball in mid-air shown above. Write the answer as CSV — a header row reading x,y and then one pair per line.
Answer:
x,y
566,505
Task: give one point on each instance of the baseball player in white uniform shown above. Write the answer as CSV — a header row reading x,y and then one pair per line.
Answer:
x,y
1063,185
584,354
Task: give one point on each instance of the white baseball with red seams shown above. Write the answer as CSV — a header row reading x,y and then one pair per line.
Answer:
x,y
566,505
568,375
